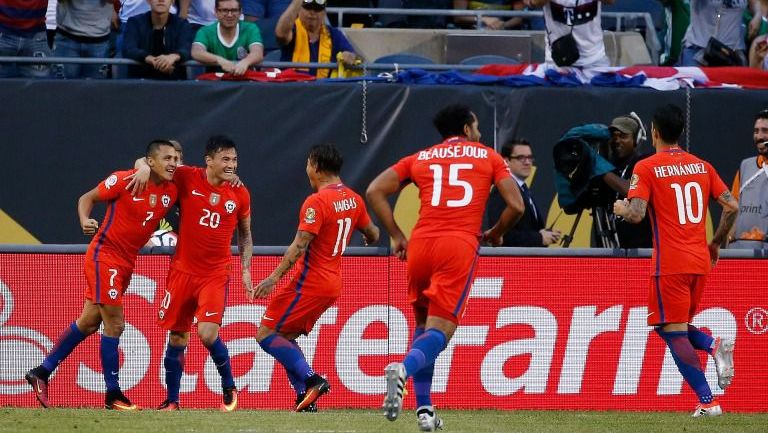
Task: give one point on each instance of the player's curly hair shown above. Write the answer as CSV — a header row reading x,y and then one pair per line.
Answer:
x,y
450,120
326,158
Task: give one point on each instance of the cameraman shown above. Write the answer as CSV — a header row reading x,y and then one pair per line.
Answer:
x,y
626,134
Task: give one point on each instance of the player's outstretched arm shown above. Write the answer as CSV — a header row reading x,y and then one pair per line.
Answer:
x,y
84,207
386,184
727,220
245,245
509,216
632,211
292,254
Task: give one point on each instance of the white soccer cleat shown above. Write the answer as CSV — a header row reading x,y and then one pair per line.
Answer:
x,y
723,356
428,419
393,401
711,409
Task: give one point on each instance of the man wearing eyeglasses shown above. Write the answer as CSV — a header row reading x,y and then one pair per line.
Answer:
x,y
529,230
750,188
231,44
305,37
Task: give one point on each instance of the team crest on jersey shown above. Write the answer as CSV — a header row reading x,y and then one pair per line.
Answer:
x,y
110,182
214,199
309,216
230,206
112,293
152,200
165,200
633,181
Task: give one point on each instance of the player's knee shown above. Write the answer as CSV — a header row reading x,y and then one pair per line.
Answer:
x,y
264,332
178,339
114,328
208,336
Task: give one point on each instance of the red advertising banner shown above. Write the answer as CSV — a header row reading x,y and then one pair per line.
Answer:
x,y
539,333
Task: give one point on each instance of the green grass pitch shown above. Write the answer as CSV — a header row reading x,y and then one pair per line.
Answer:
x,y
15,420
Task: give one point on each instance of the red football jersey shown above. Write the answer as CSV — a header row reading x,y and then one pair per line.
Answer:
x,y
677,187
209,215
129,220
331,214
454,180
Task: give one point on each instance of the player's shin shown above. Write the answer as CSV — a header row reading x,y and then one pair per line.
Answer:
x,y
700,340
688,363
220,356
288,355
174,369
68,340
424,350
110,361
422,379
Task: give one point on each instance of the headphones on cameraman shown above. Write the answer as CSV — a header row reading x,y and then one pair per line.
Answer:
x,y
642,134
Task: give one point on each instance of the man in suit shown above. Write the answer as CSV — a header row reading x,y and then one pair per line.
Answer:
x,y
529,230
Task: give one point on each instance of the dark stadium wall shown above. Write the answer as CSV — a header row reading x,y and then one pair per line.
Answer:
x,y
62,137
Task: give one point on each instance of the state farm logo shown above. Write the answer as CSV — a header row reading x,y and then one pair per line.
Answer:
x,y
756,321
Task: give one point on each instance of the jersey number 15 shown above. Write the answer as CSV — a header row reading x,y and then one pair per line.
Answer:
x,y
453,180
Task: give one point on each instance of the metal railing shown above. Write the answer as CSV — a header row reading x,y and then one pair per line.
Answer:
x,y
651,39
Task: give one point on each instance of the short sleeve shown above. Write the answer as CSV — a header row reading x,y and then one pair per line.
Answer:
x,y
311,215
363,219
500,168
717,186
403,167
201,37
640,183
111,187
244,197
254,35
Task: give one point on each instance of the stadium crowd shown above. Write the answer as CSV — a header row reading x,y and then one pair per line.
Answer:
x,y
235,35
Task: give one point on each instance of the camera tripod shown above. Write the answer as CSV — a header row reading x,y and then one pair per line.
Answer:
x,y
604,228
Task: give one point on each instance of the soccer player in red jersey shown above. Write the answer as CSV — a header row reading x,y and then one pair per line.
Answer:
x,y
326,221
454,180
673,187
128,223
212,205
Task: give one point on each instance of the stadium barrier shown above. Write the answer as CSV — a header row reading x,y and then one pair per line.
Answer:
x,y
540,332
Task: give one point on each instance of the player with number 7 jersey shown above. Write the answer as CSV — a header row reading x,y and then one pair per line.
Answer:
x,y
326,223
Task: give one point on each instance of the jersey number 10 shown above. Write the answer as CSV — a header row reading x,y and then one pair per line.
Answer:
x,y
684,197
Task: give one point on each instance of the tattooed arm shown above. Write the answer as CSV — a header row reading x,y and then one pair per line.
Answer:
x,y
245,245
727,219
291,256
632,211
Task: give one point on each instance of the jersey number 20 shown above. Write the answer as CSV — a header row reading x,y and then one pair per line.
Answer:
x,y
453,180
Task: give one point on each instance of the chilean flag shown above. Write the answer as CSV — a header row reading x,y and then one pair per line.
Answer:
x,y
656,77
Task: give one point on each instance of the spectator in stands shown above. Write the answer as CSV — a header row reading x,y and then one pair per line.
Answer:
x,y
82,31
231,44
678,17
574,34
159,40
529,230
265,13
304,36
714,19
22,33
750,188
128,9
198,13
627,134
758,58
490,23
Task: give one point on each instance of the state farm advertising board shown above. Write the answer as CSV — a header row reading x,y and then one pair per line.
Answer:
x,y
539,333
